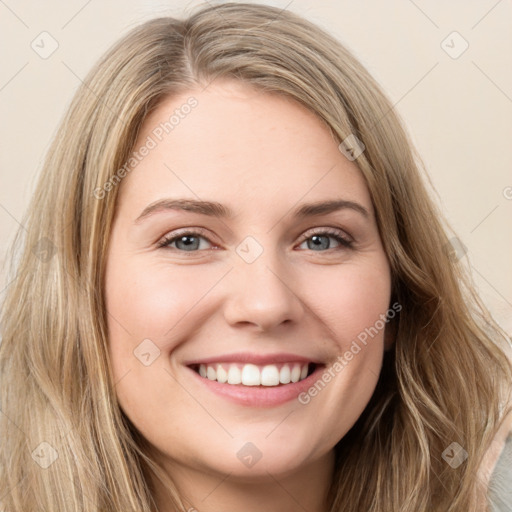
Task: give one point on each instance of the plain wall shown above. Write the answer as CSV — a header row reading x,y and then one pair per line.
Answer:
x,y
457,108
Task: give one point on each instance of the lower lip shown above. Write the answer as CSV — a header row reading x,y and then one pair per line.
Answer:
x,y
259,396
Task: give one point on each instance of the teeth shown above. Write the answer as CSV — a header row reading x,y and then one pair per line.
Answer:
x,y
252,375
296,373
270,375
222,375
234,375
285,375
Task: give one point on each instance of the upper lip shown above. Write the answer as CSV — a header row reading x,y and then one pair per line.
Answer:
x,y
252,358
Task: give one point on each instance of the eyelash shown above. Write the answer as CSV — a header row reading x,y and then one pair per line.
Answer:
x,y
344,242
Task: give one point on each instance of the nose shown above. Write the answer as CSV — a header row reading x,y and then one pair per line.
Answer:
x,y
262,294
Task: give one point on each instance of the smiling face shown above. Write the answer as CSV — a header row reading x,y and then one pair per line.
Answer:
x,y
267,293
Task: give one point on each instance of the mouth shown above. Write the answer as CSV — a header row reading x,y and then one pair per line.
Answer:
x,y
256,379
253,375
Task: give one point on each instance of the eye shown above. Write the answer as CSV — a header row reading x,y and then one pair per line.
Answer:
x,y
189,241
320,240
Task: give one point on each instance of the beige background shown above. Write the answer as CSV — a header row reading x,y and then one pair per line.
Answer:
x,y
458,110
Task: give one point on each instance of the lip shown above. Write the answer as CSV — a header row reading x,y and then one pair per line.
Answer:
x,y
257,359
257,396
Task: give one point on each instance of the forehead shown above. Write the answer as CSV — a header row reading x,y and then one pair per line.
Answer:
x,y
238,144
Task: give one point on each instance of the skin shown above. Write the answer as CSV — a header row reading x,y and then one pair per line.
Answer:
x,y
262,156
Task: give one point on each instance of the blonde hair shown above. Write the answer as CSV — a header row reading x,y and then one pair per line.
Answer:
x,y
446,379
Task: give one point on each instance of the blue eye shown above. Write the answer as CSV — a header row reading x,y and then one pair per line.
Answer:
x,y
317,243
190,241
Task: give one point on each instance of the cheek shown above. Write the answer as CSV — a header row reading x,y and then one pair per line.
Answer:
x,y
149,300
353,302
167,303
152,307
351,298
158,301
148,309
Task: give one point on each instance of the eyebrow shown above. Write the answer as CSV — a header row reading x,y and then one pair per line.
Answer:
x,y
214,209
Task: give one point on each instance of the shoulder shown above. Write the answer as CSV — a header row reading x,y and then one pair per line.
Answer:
x,y
500,483
496,469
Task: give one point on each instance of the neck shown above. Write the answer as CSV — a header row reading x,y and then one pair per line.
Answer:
x,y
304,488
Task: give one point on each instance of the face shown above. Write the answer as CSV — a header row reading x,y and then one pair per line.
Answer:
x,y
239,331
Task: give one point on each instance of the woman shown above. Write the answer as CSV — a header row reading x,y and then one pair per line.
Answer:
x,y
236,294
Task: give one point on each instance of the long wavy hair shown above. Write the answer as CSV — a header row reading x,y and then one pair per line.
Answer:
x,y
67,446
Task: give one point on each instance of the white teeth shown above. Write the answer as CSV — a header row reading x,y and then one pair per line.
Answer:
x,y
234,375
285,375
270,375
222,375
253,375
295,373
